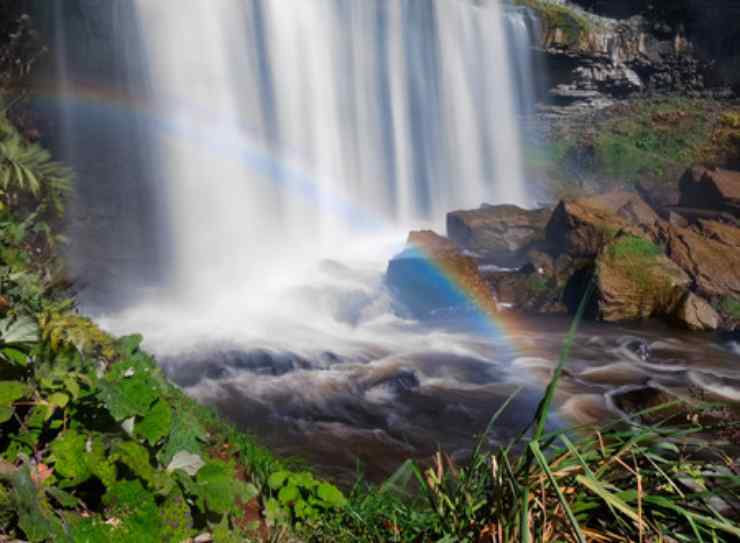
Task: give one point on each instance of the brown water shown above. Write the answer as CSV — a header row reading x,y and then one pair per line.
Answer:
x,y
379,408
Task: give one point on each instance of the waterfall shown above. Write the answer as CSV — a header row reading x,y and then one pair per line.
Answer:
x,y
295,124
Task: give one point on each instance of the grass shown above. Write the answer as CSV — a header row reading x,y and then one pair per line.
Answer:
x,y
648,139
634,247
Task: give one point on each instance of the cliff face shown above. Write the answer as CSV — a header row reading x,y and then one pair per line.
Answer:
x,y
594,59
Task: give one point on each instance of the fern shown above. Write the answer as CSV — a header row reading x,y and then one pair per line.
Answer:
x,y
28,168
62,330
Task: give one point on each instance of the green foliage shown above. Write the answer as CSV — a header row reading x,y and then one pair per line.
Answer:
x,y
301,499
27,170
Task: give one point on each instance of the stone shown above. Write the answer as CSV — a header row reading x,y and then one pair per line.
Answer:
x,y
696,314
659,196
499,234
432,274
430,241
714,189
712,262
581,228
636,281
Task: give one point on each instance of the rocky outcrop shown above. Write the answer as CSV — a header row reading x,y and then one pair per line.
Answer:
x,y
432,275
713,265
636,281
500,234
696,314
581,228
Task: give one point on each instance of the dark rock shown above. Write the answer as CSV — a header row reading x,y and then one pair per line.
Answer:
x,y
429,240
640,348
713,189
659,196
499,234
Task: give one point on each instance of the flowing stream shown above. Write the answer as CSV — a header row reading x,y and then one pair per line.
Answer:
x,y
269,159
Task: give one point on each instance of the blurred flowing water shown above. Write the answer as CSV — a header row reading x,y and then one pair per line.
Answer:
x,y
247,169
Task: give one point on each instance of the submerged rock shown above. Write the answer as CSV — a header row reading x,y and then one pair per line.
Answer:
x,y
697,314
499,234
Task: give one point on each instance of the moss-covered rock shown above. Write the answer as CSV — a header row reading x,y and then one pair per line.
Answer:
x,y
636,280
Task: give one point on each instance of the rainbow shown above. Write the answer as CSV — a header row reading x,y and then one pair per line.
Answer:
x,y
453,276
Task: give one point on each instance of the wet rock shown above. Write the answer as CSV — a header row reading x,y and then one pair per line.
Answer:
x,y
429,240
582,227
635,281
499,234
430,275
714,189
697,314
527,291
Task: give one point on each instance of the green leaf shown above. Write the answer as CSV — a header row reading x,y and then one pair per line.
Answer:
x,y
177,520
135,506
14,356
128,345
136,458
288,494
331,495
126,397
186,435
277,479
98,462
68,455
11,392
156,424
216,483
20,330
58,399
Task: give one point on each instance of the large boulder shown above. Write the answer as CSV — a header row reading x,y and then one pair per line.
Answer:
x,y
432,275
710,254
696,314
635,280
714,189
499,234
581,228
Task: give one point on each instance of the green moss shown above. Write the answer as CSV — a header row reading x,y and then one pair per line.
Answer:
x,y
730,306
572,24
633,247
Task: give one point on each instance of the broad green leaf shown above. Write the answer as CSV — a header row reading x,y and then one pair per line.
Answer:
x,y
156,424
288,494
99,463
186,435
11,392
58,399
216,483
20,330
14,356
331,495
277,479
128,345
129,396
136,458
177,520
68,455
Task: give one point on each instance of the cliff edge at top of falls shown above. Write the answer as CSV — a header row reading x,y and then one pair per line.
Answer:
x,y
638,50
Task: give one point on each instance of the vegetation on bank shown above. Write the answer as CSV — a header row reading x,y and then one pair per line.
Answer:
x,y
651,139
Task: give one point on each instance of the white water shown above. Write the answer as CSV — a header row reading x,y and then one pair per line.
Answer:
x,y
297,127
